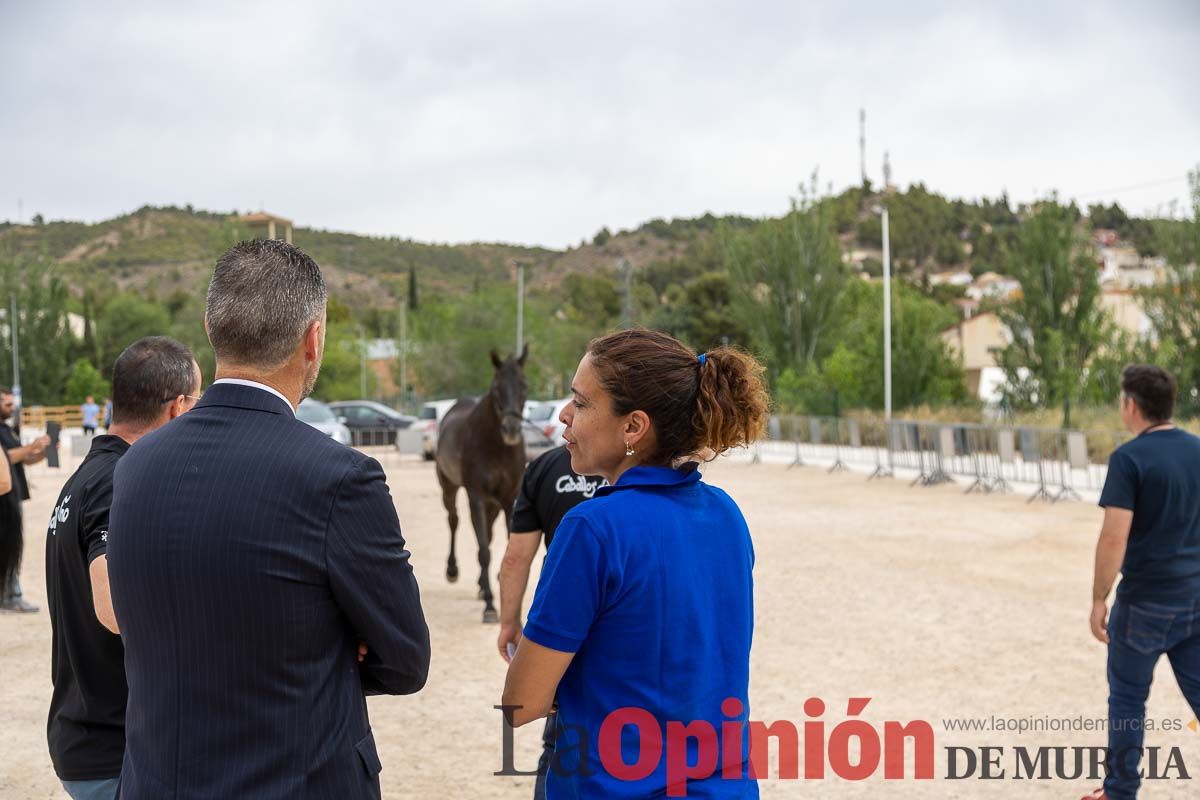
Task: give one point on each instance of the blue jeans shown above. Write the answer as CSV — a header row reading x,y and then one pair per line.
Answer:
x,y
103,789
1138,633
549,734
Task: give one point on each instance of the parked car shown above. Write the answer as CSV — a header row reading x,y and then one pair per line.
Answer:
x,y
371,423
545,416
536,442
431,414
321,417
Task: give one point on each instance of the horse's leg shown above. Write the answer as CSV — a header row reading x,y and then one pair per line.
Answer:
x,y
480,519
492,511
449,496
507,520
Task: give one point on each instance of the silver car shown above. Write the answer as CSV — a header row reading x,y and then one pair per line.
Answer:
x,y
319,415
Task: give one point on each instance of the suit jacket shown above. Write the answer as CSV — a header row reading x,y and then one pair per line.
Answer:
x,y
248,554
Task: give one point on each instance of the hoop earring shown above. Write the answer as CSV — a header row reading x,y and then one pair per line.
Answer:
x,y
628,449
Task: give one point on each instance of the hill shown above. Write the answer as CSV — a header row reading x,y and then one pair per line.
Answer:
x,y
145,272
157,251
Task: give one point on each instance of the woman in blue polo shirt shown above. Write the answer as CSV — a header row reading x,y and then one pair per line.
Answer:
x,y
644,611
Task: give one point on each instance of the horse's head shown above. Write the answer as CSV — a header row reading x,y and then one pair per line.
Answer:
x,y
508,395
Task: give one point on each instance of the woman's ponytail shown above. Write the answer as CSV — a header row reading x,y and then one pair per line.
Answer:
x,y
732,405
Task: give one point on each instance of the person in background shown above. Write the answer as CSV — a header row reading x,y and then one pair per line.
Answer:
x,y
1151,534
10,546
107,413
91,415
549,489
646,599
12,539
154,380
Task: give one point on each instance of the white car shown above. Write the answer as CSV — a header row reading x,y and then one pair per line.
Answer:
x,y
427,422
545,417
321,417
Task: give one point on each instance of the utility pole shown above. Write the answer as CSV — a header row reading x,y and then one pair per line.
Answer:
x,y
403,354
520,307
887,321
627,309
362,363
862,144
12,327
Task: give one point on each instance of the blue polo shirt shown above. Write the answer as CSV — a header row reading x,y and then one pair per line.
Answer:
x,y
1157,477
649,584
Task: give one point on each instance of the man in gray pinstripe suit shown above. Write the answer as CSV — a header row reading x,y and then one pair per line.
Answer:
x,y
252,560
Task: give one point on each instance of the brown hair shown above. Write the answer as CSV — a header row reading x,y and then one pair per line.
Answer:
x,y
1152,388
715,405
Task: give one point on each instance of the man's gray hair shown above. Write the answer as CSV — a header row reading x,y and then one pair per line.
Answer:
x,y
263,296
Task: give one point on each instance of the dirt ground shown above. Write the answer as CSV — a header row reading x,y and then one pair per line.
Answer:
x,y
934,604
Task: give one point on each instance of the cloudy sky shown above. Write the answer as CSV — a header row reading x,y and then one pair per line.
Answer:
x,y
540,122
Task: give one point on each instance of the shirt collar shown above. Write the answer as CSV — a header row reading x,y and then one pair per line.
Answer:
x,y
654,476
109,444
255,385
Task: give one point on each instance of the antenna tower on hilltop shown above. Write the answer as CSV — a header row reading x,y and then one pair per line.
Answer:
x,y
862,144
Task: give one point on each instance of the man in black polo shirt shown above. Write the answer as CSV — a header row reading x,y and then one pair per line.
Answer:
x,y
11,519
548,491
155,380
1151,533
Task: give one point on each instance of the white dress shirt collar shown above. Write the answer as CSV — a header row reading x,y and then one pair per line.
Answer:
x,y
256,385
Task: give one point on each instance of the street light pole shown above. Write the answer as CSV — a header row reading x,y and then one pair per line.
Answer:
x,y
403,355
362,363
520,308
16,349
887,321
627,306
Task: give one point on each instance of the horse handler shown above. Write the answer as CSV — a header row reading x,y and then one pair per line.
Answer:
x,y
549,490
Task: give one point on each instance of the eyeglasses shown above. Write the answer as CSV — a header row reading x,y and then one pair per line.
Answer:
x,y
195,397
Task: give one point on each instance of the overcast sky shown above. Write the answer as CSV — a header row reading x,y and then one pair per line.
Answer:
x,y
540,122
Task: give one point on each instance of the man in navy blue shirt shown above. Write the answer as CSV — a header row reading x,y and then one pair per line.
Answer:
x,y
1151,534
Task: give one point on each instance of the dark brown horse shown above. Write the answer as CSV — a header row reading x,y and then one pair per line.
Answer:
x,y
481,447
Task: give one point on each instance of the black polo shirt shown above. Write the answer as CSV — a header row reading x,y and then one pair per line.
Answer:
x,y
10,440
86,729
548,491
10,502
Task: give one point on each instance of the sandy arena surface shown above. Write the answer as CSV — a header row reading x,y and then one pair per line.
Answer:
x,y
934,604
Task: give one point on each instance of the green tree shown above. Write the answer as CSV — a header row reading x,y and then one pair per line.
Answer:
x,y
787,275
451,340
1113,216
46,343
949,250
702,313
918,220
341,366
1057,322
85,380
989,250
1174,307
594,296
923,370
125,318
